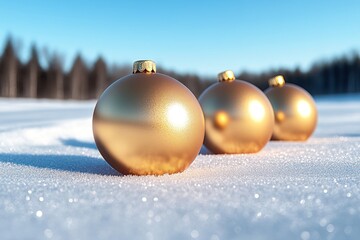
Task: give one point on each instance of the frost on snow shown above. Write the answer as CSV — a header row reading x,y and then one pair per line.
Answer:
x,y
55,185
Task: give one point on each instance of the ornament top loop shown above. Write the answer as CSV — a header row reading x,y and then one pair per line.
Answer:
x,y
226,76
144,66
277,81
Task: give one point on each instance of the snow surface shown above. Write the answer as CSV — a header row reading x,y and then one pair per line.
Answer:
x,y
55,185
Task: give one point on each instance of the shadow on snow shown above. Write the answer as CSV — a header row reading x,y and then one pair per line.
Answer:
x,y
76,143
71,163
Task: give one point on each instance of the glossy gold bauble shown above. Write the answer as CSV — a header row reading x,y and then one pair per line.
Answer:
x,y
238,116
148,123
294,109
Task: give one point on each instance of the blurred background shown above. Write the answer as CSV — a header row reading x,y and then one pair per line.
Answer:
x,y
75,49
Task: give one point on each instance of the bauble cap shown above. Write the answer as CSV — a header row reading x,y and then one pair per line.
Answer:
x,y
144,66
226,76
277,81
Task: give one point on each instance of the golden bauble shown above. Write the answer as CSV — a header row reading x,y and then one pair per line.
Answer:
x,y
294,109
148,123
238,116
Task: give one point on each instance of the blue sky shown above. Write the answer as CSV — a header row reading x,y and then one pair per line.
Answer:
x,y
203,37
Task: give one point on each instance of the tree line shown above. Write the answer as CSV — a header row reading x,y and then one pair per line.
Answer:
x,y
32,80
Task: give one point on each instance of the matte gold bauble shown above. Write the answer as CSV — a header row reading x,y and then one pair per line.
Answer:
x,y
148,123
294,109
238,116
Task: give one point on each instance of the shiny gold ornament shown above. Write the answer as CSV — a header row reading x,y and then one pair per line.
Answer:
x,y
294,109
238,116
148,123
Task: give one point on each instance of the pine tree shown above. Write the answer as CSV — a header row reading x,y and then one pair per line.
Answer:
x,y
9,71
78,80
32,74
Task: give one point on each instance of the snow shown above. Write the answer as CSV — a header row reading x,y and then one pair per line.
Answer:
x,y
55,185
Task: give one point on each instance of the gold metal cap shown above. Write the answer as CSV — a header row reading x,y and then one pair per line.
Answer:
x,y
226,76
144,66
277,81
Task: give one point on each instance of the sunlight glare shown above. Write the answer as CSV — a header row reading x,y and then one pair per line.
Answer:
x,y
303,108
257,110
177,115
